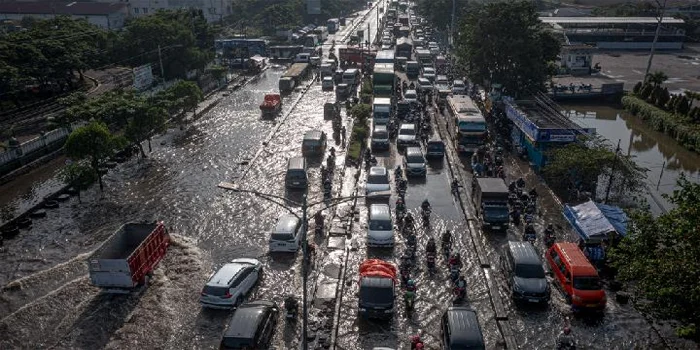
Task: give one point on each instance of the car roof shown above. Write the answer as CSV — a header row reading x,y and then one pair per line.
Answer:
x,y
286,223
411,91
377,170
413,150
313,135
458,81
466,330
572,254
380,210
246,319
225,274
328,78
423,80
524,253
408,126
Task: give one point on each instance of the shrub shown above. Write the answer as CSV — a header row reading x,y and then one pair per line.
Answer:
x,y
676,126
662,98
646,91
682,107
637,88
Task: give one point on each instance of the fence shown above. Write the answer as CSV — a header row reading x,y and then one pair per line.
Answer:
x,y
26,152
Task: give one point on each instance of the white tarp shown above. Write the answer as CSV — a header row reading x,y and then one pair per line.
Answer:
x,y
589,221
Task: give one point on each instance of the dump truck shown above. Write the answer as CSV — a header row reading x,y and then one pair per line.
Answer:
x,y
293,76
128,257
491,200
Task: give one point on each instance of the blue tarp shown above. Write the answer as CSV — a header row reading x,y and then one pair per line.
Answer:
x,y
593,221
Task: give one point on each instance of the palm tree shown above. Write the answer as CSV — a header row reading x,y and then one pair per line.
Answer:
x,y
657,78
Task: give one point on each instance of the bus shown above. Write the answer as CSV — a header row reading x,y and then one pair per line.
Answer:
x,y
333,25
469,123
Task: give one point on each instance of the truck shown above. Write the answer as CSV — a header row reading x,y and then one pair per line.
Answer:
x,y
403,19
377,297
412,69
490,196
381,110
383,79
128,257
292,77
333,25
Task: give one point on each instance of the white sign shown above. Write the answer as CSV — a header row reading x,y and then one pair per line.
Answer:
x,y
143,77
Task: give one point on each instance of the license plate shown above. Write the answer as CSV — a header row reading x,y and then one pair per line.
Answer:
x,y
295,183
533,300
496,227
592,305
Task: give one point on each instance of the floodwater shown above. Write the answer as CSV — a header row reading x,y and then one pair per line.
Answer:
x,y
656,151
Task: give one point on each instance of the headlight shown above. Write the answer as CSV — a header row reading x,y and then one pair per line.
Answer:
x,y
362,309
576,298
517,288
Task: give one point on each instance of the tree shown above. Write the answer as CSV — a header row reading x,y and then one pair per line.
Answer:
x,y
691,96
361,112
438,13
149,121
506,43
93,143
682,106
646,91
662,97
186,96
657,78
661,257
77,174
637,88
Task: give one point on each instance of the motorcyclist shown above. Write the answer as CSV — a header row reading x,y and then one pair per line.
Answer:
x,y
520,183
533,193
333,151
565,340
446,237
398,173
290,304
411,286
455,186
425,205
408,220
411,239
415,342
318,219
431,248
530,233
512,186
455,260
549,236
400,205
461,283
515,215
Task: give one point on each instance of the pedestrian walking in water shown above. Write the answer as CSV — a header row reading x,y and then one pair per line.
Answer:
x,y
342,134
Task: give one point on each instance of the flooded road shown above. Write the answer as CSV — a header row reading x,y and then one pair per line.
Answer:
x,y
47,301
654,150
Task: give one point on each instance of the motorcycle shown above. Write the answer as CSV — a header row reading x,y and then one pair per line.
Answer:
x,y
330,163
291,310
430,262
549,240
446,249
460,294
409,298
455,188
370,161
454,273
425,214
327,189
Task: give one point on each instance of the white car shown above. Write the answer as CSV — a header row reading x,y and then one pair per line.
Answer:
x,y
226,288
286,234
410,96
380,230
378,182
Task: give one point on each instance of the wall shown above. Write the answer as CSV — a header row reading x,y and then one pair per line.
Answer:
x,y
28,151
111,21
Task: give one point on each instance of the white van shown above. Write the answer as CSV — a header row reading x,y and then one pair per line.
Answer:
x,y
286,234
380,229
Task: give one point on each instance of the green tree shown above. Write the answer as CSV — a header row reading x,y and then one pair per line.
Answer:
x,y
185,95
647,90
78,175
438,13
93,143
682,106
661,257
361,112
662,98
149,121
637,88
493,40
657,78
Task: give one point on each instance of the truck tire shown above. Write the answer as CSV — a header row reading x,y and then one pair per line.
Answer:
x,y
24,222
51,204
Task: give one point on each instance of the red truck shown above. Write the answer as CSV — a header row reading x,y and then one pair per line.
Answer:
x,y
128,256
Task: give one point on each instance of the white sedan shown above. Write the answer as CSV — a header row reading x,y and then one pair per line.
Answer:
x,y
378,182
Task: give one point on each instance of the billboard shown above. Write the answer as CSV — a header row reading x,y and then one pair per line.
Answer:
x,y
143,77
313,7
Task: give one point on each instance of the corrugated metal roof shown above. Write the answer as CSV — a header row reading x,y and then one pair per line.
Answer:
x,y
61,8
609,20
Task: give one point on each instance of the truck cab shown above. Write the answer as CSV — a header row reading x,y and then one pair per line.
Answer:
x,y
491,200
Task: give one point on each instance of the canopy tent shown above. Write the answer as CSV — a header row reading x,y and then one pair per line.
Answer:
x,y
594,221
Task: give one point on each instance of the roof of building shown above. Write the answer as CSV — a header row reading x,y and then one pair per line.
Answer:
x,y
61,8
610,20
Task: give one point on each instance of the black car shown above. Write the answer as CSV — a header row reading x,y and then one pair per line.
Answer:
x,y
251,327
525,274
461,329
435,149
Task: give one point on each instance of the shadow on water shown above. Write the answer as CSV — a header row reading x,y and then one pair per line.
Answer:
x,y
102,317
211,323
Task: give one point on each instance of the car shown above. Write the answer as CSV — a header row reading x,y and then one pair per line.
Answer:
x,y
251,327
461,330
407,135
524,273
435,148
429,73
425,85
414,162
286,234
380,137
314,143
327,83
226,288
378,181
380,227
386,46
459,87
410,96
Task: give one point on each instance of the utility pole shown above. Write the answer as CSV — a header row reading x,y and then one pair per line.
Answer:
x,y
612,172
661,12
160,59
304,274
661,175
452,25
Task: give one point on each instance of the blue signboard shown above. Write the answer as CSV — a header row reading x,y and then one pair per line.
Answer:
x,y
520,119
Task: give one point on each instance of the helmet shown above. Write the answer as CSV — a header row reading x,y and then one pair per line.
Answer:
x,y
567,330
550,227
419,346
410,283
415,339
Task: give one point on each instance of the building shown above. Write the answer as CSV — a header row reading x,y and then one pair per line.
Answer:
x,y
213,10
633,33
104,15
539,126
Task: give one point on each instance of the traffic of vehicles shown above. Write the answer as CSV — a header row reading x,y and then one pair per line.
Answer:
x,y
404,119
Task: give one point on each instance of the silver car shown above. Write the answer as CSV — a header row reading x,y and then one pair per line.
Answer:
x,y
414,162
378,182
226,288
407,135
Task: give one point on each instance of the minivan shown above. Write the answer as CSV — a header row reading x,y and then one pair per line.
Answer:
x,y
380,229
286,234
251,327
380,137
576,277
314,143
524,273
461,330
435,149
414,162
296,173
407,135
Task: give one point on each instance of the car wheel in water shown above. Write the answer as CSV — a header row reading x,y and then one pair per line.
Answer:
x,y
238,302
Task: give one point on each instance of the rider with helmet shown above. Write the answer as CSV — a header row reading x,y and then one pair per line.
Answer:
x,y
565,340
446,237
431,248
425,205
530,233
400,205
290,303
455,260
416,342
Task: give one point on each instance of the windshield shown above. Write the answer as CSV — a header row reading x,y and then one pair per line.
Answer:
x,y
529,271
587,283
380,135
215,291
282,236
410,95
236,343
436,146
472,126
380,225
496,211
407,131
377,296
378,179
414,159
